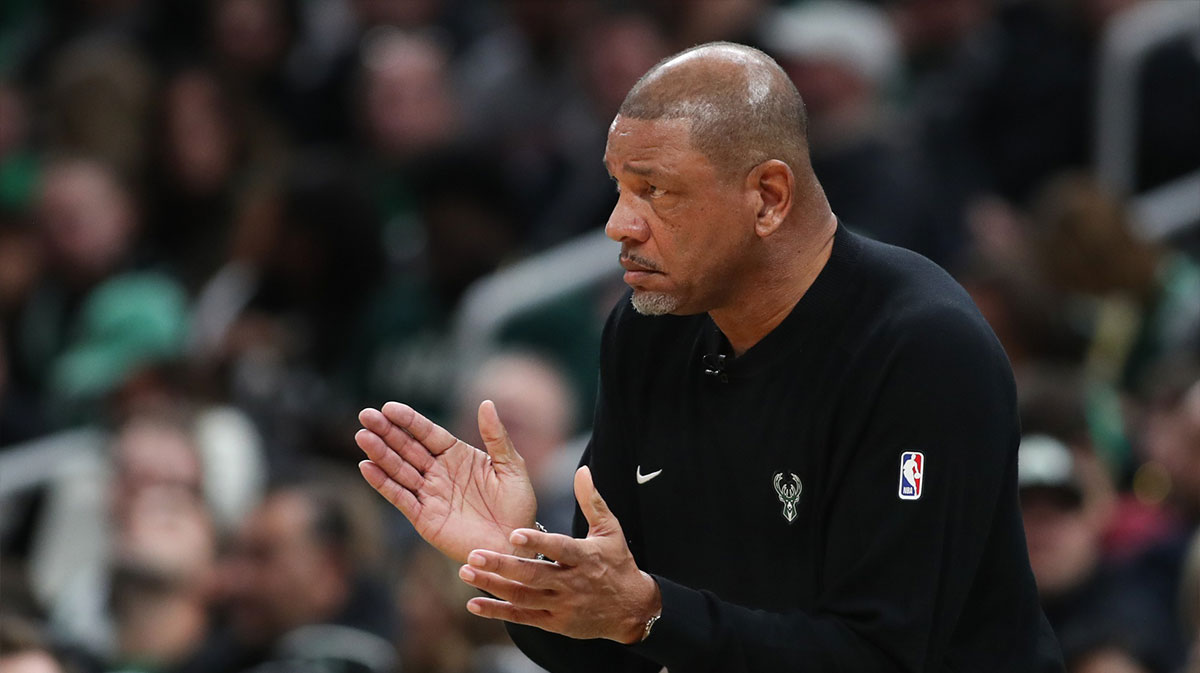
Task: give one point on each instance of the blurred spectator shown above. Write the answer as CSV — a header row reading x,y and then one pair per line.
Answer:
x,y
99,96
843,57
271,323
612,53
300,593
440,636
210,147
1170,437
469,223
1144,300
1089,605
518,89
162,582
408,107
408,111
94,319
126,552
535,394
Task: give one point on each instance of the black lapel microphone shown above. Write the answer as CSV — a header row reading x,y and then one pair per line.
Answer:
x,y
714,365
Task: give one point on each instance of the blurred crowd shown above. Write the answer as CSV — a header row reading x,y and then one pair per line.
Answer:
x,y
227,225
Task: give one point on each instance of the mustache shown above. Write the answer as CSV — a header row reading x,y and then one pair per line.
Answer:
x,y
639,260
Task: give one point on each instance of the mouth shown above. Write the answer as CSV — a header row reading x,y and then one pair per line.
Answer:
x,y
637,265
637,271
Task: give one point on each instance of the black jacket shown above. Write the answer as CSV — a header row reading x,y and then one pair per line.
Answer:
x,y
884,356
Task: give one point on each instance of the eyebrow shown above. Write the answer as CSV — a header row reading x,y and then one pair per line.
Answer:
x,y
636,170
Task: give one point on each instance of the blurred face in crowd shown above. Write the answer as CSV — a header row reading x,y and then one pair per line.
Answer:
x,y
280,576
200,143
536,400
1063,538
150,454
250,35
86,219
684,228
408,102
161,519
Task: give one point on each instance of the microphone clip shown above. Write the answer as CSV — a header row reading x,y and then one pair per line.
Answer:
x,y
714,365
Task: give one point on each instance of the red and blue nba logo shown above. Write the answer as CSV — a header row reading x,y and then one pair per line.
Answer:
x,y
912,471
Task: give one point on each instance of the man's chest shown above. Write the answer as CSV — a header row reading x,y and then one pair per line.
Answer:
x,y
730,487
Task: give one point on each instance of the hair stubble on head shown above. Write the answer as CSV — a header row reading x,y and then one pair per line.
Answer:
x,y
741,106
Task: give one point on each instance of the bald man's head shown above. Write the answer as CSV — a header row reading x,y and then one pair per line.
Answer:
x,y
742,107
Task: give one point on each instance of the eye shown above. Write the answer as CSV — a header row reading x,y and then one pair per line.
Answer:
x,y
655,191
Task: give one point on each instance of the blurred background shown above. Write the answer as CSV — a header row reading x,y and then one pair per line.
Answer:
x,y
227,225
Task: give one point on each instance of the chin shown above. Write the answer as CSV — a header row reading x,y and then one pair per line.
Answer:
x,y
654,303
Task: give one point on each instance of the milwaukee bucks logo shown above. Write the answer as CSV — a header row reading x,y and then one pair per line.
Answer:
x,y
789,495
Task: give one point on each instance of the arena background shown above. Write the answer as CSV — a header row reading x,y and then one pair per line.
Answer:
x,y
227,225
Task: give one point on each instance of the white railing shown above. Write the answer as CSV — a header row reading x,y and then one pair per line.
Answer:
x,y
583,262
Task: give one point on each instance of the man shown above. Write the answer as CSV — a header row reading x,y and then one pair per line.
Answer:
x,y
751,447
1098,614
300,600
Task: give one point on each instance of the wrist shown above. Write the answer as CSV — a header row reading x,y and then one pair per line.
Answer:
x,y
647,610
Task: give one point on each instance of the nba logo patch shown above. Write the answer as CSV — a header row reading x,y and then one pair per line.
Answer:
x,y
912,471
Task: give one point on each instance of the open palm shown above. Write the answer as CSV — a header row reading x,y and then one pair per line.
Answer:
x,y
458,497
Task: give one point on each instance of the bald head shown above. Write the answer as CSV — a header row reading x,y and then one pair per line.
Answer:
x,y
741,106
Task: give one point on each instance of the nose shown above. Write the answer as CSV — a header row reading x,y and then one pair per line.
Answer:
x,y
625,224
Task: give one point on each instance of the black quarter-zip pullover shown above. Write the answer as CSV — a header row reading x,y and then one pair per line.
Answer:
x,y
841,497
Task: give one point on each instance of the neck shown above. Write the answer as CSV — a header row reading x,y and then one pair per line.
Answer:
x,y
770,295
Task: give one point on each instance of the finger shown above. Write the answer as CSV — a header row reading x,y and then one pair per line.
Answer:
x,y
530,572
399,441
389,461
432,436
495,437
400,497
564,549
600,518
494,609
505,589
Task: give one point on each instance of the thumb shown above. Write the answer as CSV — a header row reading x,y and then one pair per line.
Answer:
x,y
495,439
600,518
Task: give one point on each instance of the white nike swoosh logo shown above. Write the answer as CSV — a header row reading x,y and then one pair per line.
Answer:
x,y
643,478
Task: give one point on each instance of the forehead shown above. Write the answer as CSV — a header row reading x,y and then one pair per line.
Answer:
x,y
651,144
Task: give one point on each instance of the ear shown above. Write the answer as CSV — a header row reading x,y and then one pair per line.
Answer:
x,y
771,182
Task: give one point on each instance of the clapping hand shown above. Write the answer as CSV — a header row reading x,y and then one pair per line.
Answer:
x,y
593,588
458,497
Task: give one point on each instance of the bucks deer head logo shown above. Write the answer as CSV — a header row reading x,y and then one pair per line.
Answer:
x,y
789,495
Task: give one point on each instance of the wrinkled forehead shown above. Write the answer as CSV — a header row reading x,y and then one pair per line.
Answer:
x,y
630,138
